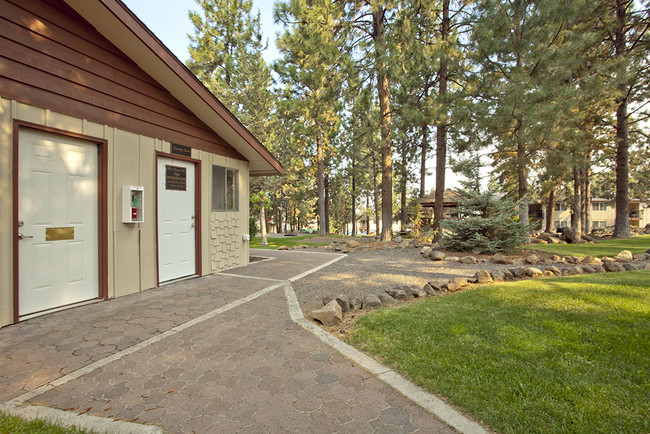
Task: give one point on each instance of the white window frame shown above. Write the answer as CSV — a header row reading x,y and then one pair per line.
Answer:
x,y
225,189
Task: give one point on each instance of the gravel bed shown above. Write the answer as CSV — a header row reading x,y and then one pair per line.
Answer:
x,y
371,272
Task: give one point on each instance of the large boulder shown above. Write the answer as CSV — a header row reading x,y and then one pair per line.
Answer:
x,y
371,301
330,315
533,259
598,268
413,291
570,236
355,303
397,294
550,238
500,259
386,299
588,269
468,260
456,283
437,285
612,266
343,301
590,260
352,244
534,273
498,275
437,256
483,276
435,289
624,256
519,272
426,252
553,269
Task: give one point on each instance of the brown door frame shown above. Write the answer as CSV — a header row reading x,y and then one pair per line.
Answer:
x,y
102,203
197,211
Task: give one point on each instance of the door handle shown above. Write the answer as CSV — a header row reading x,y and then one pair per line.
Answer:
x,y
24,237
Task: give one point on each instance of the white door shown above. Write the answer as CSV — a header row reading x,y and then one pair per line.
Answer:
x,y
58,253
176,219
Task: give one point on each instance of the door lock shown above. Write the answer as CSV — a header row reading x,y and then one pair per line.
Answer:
x,y
21,223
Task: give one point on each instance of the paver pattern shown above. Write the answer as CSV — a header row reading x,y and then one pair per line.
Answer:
x,y
250,369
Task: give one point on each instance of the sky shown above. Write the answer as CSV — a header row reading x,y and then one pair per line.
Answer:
x,y
169,21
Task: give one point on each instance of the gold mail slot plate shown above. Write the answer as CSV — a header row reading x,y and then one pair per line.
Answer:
x,y
58,234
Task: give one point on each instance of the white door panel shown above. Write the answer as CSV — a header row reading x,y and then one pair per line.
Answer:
x,y
57,188
176,219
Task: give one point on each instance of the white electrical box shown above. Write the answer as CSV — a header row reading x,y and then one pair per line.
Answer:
x,y
132,204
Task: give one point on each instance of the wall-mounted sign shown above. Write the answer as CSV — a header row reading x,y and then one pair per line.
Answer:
x,y
185,151
175,178
58,234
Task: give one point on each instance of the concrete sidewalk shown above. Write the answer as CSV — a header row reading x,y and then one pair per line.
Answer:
x,y
214,354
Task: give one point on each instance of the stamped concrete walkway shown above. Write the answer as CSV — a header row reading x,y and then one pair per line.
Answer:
x,y
222,353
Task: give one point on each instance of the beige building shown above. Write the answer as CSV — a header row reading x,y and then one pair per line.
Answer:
x,y
119,171
603,214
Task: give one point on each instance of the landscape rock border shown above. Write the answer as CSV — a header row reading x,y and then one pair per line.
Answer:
x,y
514,269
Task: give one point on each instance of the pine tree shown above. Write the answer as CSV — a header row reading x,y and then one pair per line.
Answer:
x,y
309,74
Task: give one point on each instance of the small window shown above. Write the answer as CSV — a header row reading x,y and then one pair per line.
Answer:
x,y
600,224
560,207
564,224
599,206
225,189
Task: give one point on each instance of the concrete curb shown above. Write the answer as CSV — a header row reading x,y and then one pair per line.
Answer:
x,y
424,399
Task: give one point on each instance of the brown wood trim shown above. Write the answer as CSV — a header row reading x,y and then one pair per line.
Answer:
x,y
141,32
102,199
80,109
125,100
16,271
52,79
198,255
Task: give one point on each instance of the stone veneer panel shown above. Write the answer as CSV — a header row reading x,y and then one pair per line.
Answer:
x,y
225,239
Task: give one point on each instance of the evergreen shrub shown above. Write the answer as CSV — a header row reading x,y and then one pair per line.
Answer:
x,y
486,222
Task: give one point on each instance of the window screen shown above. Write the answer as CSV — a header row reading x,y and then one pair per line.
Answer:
x,y
225,189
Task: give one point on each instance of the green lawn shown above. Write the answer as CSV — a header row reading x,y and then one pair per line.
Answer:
x,y
602,248
569,354
11,424
274,243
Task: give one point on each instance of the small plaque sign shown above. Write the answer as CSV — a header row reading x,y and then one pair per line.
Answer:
x,y
175,178
185,151
58,234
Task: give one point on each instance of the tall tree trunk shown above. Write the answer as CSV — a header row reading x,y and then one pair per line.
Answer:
x,y
522,180
354,193
379,36
321,183
622,222
576,220
441,132
286,217
424,146
265,241
327,204
550,211
586,228
402,190
375,172
367,215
